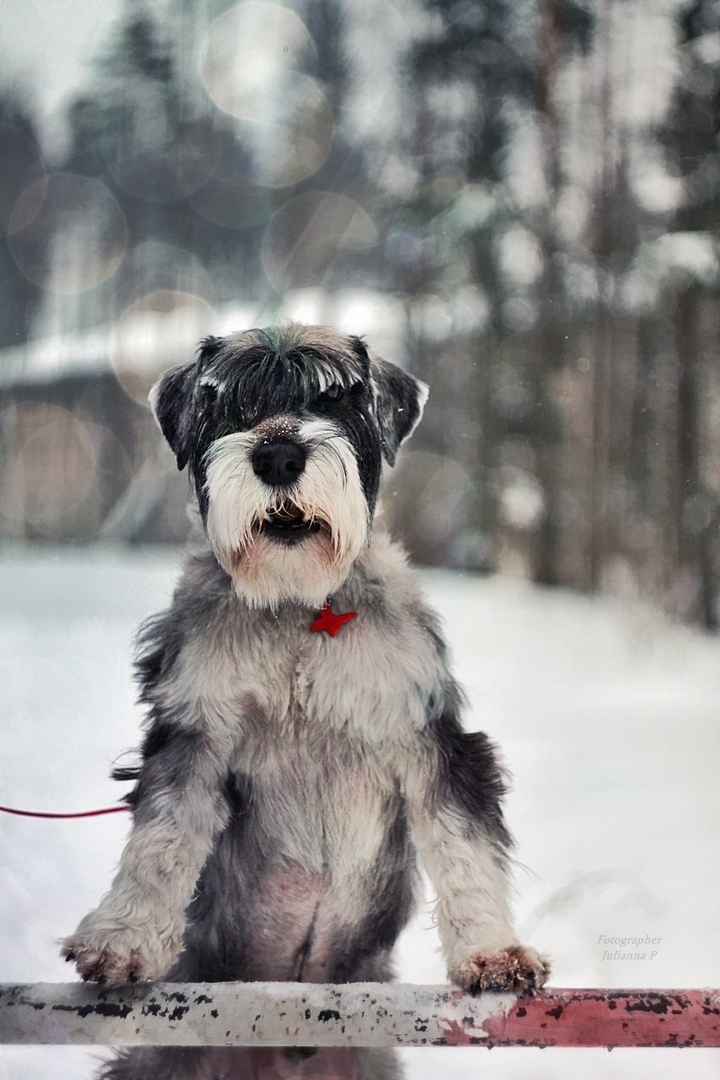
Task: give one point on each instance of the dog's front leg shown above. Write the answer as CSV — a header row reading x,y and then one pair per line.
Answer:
x,y
454,788
136,931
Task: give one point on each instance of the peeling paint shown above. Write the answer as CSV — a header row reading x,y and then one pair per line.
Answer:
x,y
610,1018
286,1014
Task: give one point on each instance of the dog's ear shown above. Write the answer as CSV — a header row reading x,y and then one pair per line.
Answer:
x,y
400,400
170,401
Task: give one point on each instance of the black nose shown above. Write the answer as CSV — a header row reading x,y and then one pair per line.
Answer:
x,y
278,462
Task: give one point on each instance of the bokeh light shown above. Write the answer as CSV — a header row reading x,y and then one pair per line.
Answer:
x,y
251,69
296,140
427,503
88,230
154,265
394,171
158,331
309,233
247,51
53,466
163,173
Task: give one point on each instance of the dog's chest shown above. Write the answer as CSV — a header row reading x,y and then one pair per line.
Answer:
x,y
262,679
364,684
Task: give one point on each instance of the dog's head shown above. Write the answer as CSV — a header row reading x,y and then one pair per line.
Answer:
x,y
284,431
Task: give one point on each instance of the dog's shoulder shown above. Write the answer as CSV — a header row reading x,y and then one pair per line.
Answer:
x,y
389,589
200,594
381,671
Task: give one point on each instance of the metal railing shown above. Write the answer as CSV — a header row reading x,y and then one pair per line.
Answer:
x,y
352,1014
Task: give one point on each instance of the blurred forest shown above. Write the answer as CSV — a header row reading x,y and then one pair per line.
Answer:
x,y
516,200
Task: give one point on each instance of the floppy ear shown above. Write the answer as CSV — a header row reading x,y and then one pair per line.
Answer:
x,y
170,402
400,400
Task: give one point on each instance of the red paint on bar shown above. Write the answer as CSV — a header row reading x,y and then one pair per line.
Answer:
x,y
352,1014
604,1018
459,1034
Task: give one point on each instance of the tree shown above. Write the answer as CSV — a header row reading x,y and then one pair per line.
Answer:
x,y
693,136
486,125
22,167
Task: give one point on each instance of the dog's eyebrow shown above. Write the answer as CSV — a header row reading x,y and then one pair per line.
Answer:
x,y
322,369
259,381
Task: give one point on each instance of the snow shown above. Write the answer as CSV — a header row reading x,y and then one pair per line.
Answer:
x,y
164,328
606,714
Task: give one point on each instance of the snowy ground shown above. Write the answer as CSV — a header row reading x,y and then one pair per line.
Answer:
x,y
607,716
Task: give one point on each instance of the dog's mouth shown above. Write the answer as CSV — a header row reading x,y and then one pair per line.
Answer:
x,y
288,523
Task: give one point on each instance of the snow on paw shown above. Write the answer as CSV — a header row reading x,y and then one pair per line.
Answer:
x,y
514,968
116,957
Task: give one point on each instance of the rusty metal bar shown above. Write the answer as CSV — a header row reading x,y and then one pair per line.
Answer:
x,y
354,1014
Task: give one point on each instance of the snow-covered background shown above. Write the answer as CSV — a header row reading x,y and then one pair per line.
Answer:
x,y
607,717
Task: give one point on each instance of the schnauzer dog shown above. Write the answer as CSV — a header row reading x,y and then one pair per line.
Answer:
x,y
304,737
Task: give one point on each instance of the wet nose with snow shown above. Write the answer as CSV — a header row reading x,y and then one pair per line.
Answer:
x,y
278,463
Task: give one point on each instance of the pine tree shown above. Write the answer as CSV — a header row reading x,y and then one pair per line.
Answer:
x,y
21,167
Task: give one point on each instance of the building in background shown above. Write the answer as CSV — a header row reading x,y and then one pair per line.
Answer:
x,y
517,200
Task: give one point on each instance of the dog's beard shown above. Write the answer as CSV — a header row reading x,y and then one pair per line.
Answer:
x,y
287,543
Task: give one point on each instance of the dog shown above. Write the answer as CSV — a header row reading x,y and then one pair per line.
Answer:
x,y
304,741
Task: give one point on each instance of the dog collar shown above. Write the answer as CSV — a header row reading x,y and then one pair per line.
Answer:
x,y
329,621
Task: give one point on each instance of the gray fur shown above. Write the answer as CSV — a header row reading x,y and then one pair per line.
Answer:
x,y
191,1063
288,778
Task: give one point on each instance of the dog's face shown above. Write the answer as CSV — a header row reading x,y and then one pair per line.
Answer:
x,y
284,432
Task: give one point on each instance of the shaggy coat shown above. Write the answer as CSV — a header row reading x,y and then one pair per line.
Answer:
x,y
290,779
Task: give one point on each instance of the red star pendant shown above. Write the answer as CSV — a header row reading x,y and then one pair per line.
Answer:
x,y
329,621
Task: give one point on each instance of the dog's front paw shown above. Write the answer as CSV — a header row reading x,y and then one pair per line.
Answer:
x,y
513,968
119,955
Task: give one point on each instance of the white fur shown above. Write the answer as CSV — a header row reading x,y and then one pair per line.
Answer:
x,y
136,930
266,572
329,730
340,738
472,910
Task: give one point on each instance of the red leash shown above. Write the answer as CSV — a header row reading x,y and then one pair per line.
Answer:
x,y
327,621
85,813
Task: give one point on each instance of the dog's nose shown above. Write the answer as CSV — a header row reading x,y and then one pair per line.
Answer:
x,y
278,462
